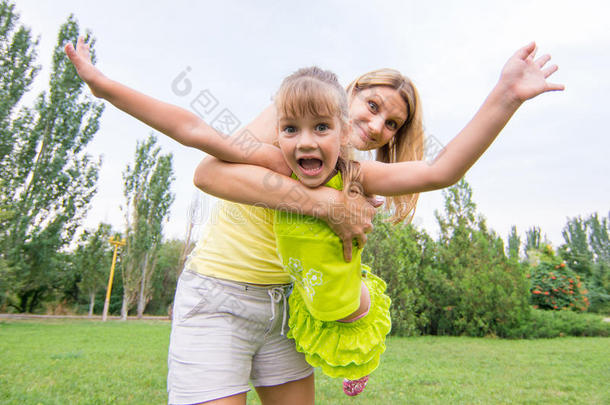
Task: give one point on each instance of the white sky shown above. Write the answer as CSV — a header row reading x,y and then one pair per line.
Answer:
x,y
550,162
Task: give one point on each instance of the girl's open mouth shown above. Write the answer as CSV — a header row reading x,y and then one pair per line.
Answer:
x,y
310,166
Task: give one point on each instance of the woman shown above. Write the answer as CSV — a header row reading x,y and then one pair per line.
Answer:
x,y
230,306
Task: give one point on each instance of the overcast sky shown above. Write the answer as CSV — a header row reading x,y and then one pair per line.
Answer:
x,y
551,161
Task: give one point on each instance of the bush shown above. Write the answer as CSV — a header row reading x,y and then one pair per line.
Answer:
x,y
557,287
474,289
551,324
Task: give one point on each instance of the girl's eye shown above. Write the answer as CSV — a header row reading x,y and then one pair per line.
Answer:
x,y
289,129
373,106
321,127
392,125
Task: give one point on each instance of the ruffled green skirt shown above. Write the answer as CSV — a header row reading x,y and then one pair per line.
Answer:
x,y
347,350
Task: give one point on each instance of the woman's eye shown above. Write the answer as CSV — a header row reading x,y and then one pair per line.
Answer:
x,y
321,127
373,105
392,125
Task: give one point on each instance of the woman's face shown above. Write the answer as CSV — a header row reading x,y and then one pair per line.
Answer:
x,y
376,114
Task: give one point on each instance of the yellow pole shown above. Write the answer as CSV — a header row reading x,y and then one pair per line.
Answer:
x,y
116,244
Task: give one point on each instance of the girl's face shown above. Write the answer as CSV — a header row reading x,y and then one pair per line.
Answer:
x,y
376,114
311,147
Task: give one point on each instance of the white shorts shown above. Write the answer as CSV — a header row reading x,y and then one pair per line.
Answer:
x,y
225,334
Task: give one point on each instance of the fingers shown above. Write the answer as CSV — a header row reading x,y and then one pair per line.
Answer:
x,y
368,228
527,50
552,86
361,241
555,87
549,70
347,250
69,49
541,61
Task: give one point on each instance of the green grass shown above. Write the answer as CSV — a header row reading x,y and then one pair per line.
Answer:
x,y
83,362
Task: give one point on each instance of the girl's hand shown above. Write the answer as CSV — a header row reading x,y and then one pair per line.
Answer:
x,y
81,59
525,77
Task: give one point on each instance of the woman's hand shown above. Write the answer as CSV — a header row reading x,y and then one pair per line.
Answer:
x,y
525,77
81,59
352,219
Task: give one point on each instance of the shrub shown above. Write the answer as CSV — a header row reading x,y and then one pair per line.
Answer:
x,y
555,286
551,324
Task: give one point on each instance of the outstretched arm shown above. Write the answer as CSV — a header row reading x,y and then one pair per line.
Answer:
x,y
175,122
523,77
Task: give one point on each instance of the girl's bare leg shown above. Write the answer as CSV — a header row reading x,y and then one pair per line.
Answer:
x,y
365,302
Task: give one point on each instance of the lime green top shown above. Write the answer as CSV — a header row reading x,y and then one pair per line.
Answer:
x,y
313,256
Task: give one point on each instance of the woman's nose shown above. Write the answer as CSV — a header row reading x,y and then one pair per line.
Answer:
x,y
376,125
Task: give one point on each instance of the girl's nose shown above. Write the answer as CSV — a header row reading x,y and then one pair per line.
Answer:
x,y
307,140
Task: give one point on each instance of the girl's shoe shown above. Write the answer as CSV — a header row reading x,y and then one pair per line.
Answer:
x,y
355,387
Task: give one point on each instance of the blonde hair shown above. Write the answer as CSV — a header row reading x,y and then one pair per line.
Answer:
x,y
408,142
306,92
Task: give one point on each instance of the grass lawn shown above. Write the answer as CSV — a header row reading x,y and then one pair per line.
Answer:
x,y
89,362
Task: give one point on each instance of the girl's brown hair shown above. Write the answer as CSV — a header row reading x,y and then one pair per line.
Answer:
x,y
317,92
408,142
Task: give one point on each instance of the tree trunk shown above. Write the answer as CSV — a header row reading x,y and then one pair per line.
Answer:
x,y
141,297
91,303
125,306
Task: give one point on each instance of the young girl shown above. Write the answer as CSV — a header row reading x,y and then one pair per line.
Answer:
x,y
339,314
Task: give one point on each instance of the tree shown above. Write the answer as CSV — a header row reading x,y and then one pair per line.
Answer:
x,y
533,240
600,245
92,259
514,242
148,196
17,72
50,177
165,277
473,288
587,251
576,249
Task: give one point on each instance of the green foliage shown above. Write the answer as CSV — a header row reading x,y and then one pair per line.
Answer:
x,y
473,288
165,277
92,260
587,251
462,284
49,179
555,286
148,196
17,72
514,242
399,254
534,241
550,324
